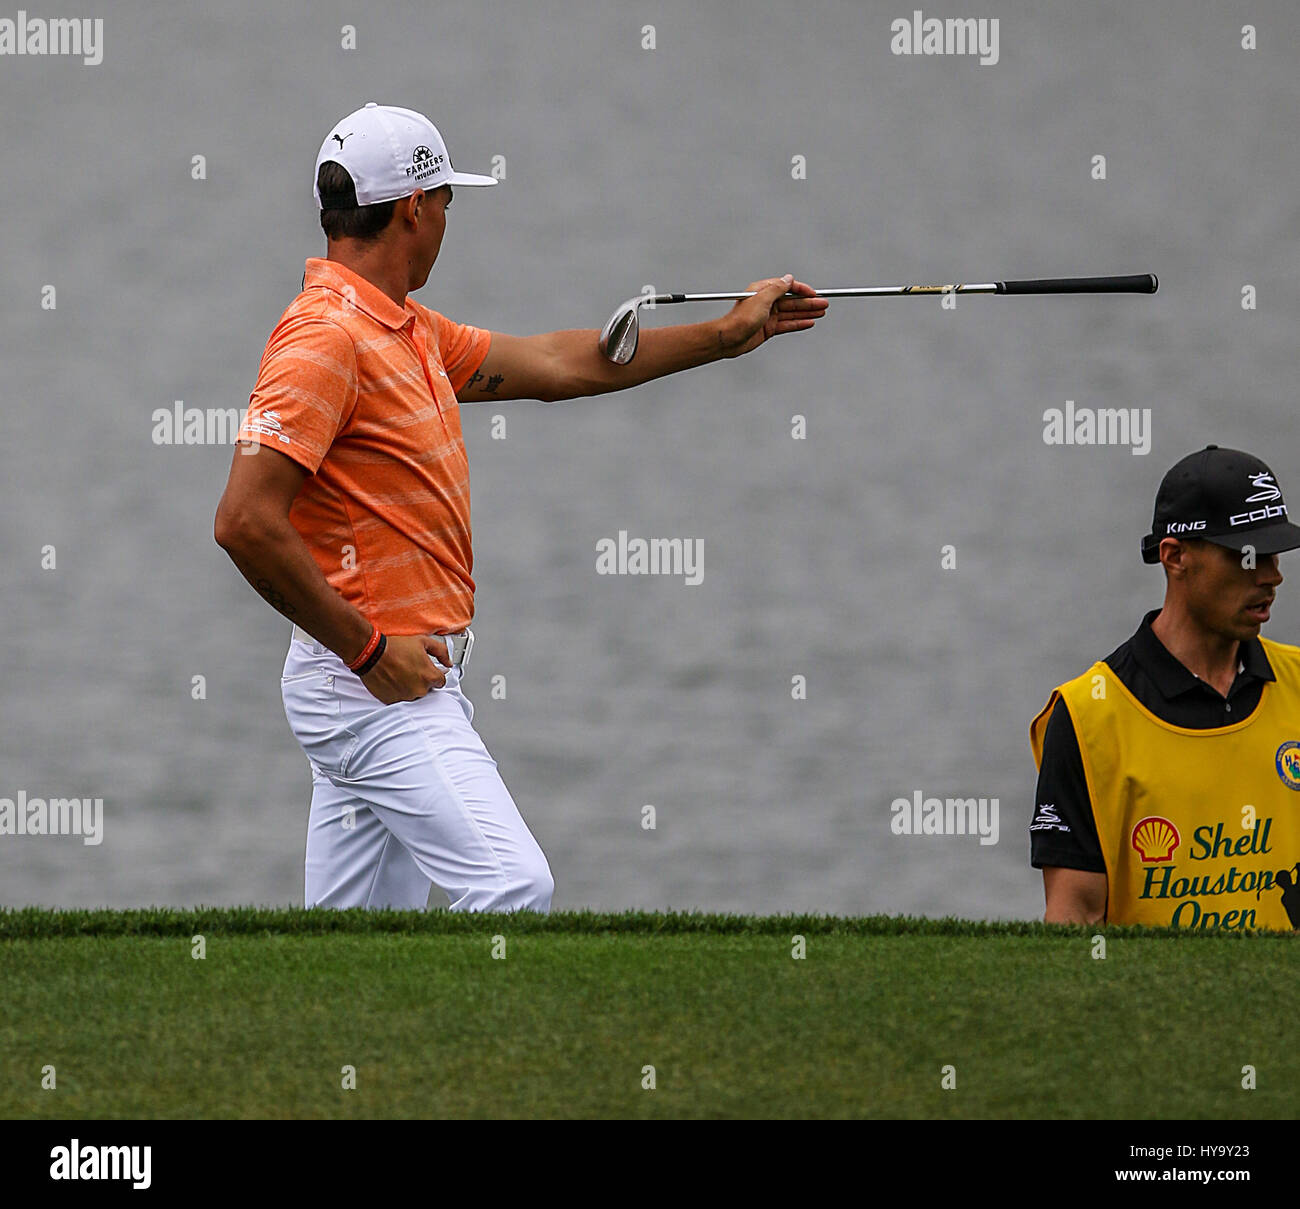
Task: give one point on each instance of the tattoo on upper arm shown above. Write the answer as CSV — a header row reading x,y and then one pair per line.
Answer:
x,y
492,383
274,597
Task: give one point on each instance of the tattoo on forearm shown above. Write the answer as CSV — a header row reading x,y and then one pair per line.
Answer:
x,y
274,597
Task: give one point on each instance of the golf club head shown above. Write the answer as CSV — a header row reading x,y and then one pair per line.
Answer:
x,y
619,335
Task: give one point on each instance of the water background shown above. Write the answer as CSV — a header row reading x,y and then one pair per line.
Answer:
x,y
822,557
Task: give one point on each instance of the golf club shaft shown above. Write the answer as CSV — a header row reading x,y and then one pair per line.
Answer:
x,y
1140,283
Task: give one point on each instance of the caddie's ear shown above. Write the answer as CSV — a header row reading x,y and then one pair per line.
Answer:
x,y
1173,556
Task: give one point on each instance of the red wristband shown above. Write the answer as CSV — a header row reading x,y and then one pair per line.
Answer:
x,y
366,651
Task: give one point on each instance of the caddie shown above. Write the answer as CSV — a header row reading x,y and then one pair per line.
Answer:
x,y
1169,772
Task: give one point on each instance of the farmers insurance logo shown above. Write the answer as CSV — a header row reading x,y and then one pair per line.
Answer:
x,y
1288,764
424,163
1155,839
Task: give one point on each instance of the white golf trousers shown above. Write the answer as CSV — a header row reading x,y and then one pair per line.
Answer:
x,y
403,796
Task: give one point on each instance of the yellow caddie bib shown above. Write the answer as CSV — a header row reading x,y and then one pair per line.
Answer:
x,y
1198,828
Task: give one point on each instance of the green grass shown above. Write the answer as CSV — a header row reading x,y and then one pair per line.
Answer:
x,y
564,1024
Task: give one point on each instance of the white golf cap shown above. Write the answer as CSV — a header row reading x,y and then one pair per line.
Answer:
x,y
390,153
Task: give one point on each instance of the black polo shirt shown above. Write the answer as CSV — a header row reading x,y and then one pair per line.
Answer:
x,y
1063,831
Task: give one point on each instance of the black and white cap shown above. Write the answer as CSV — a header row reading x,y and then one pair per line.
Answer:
x,y
1224,496
389,153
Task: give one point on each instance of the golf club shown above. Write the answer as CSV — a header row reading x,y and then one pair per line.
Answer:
x,y
618,338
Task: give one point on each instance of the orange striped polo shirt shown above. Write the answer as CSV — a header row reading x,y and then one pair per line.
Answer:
x,y
362,394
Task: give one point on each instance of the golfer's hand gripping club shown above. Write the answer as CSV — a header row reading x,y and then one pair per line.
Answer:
x,y
773,306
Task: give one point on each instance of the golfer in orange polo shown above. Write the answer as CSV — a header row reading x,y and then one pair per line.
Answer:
x,y
353,521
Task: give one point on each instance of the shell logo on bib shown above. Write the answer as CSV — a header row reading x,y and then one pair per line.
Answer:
x,y
1288,764
1155,839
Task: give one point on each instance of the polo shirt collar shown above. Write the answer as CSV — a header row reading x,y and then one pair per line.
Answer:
x,y
1171,678
367,297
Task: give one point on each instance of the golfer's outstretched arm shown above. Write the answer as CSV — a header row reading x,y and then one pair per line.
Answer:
x,y
570,365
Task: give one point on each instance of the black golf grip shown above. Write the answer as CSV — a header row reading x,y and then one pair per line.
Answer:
x,y
1139,283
